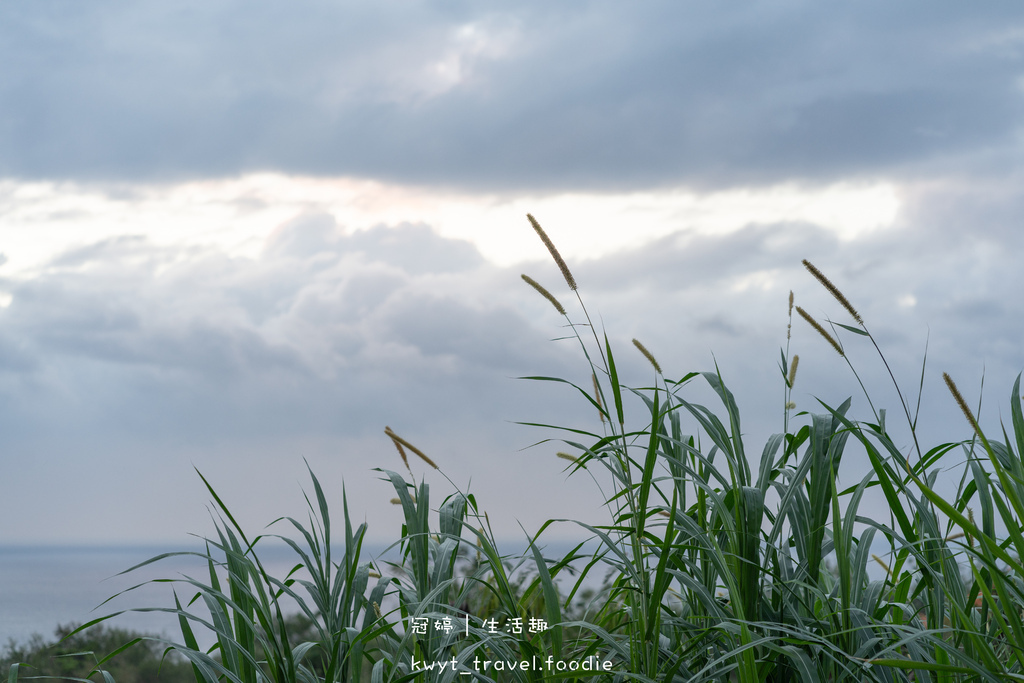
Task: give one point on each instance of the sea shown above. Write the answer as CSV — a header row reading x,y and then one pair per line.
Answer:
x,y
42,587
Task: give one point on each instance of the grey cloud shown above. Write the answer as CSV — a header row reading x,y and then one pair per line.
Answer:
x,y
538,96
245,366
412,248
349,321
134,372
494,339
691,259
123,363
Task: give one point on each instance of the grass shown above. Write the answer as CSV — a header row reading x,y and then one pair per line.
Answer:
x,y
729,561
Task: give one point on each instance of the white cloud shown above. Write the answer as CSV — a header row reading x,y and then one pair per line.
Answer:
x,y
239,215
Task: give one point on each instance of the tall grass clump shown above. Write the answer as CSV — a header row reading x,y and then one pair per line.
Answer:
x,y
735,567
717,560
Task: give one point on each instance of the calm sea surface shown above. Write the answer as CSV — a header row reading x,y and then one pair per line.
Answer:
x,y
41,587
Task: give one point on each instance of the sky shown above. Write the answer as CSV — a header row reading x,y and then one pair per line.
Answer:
x,y
242,237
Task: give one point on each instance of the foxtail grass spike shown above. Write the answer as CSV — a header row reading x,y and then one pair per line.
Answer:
x,y
597,396
789,325
821,330
882,562
399,440
566,456
648,355
569,279
833,290
792,370
544,293
401,451
958,397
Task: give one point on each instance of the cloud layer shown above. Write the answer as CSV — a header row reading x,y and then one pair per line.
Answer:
x,y
123,362
686,155
524,95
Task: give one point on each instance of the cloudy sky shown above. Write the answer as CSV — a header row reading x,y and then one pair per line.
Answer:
x,y
239,235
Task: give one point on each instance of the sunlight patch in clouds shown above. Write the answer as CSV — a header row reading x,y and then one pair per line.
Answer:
x,y
237,215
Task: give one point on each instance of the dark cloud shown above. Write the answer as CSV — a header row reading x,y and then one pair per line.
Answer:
x,y
533,95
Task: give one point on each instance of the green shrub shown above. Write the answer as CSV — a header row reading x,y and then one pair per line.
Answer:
x,y
70,655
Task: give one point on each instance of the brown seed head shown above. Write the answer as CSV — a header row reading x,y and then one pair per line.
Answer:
x,y
399,440
958,397
647,355
569,279
401,451
821,330
792,370
544,293
789,325
833,290
597,396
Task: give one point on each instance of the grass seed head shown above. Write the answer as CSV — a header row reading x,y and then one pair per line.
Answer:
x,y
648,355
544,293
821,330
794,364
566,456
401,451
569,279
597,396
399,440
958,397
833,290
789,325
881,562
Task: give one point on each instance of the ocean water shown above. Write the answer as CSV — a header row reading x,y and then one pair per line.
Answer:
x,y
41,587
44,586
